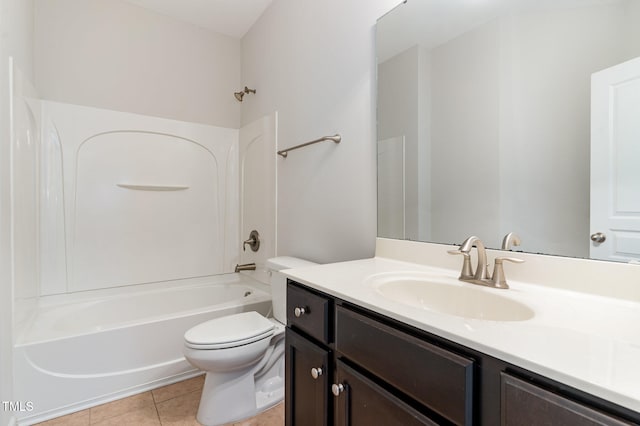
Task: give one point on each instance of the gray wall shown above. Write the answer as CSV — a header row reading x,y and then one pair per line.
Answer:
x,y
314,62
114,55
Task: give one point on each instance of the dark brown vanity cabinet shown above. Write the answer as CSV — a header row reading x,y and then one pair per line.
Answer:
x,y
346,365
340,370
525,404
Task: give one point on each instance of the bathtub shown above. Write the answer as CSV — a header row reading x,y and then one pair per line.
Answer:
x,y
80,350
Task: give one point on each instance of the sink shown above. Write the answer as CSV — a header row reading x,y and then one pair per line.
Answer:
x,y
449,296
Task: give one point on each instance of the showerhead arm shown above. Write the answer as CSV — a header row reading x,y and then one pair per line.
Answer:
x,y
239,95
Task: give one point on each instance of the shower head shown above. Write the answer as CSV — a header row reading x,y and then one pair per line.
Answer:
x,y
239,95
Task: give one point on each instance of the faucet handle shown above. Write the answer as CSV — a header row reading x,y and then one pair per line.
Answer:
x,y
466,272
509,259
253,242
498,278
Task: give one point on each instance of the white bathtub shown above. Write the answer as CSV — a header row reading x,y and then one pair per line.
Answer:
x,y
81,350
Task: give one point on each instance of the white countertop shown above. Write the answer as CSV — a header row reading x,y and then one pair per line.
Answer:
x,y
590,342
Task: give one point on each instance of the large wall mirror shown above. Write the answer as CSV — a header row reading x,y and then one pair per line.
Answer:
x,y
523,116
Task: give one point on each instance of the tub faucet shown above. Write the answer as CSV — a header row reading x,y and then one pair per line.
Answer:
x,y
246,267
253,242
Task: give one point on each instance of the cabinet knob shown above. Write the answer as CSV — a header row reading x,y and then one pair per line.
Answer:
x,y
316,372
337,389
299,311
598,237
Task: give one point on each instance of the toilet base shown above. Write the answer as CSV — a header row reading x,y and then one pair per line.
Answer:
x,y
227,398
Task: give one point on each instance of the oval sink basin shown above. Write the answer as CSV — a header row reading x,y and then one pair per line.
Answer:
x,y
452,298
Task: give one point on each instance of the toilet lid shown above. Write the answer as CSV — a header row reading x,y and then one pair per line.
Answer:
x,y
229,331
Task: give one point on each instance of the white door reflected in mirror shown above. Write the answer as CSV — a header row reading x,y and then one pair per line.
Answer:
x,y
615,156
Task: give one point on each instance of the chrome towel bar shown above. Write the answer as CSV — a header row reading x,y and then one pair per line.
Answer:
x,y
335,138
137,187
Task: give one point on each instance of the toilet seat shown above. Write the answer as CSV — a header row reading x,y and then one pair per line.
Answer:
x,y
229,332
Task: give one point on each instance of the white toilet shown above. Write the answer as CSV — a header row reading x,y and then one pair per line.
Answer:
x,y
243,356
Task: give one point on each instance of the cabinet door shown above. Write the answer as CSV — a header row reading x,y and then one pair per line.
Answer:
x,y
306,394
435,377
361,402
524,404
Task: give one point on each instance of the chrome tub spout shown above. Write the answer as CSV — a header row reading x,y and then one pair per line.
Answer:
x,y
246,267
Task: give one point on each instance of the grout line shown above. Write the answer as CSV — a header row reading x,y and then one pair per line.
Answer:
x,y
157,412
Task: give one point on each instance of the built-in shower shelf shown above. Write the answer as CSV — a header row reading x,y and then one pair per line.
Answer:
x,y
138,187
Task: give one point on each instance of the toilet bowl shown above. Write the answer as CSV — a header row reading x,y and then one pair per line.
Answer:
x,y
242,355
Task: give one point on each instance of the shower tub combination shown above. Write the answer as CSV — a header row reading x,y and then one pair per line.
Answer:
x,y
139,232
105,345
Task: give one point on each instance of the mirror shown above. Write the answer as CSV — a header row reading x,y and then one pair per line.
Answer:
x,y
487,112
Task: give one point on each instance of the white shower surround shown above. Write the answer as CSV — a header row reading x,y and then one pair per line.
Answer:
x,y
139,230
129,199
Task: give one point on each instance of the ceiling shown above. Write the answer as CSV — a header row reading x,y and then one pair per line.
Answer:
x,y
230,17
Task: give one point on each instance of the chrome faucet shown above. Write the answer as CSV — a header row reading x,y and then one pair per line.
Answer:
x,y
481,276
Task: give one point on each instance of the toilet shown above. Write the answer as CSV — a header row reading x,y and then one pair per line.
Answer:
x,y
242,355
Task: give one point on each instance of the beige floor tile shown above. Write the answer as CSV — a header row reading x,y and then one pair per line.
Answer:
x,y
178,389
271,417
180,411
121,406
81,418
146,416
175,405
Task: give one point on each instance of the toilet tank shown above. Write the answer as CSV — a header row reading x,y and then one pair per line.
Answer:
x,y
279,282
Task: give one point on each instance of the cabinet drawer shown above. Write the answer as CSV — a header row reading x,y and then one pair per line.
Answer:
x,y
525,404
435,377
362,402
308,312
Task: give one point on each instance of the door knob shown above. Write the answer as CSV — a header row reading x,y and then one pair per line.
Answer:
x,y
316,372
337,389
598,237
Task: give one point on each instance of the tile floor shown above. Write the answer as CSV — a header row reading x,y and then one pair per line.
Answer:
x,y
174,404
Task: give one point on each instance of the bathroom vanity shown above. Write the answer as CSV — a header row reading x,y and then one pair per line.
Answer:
x,y
353,356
